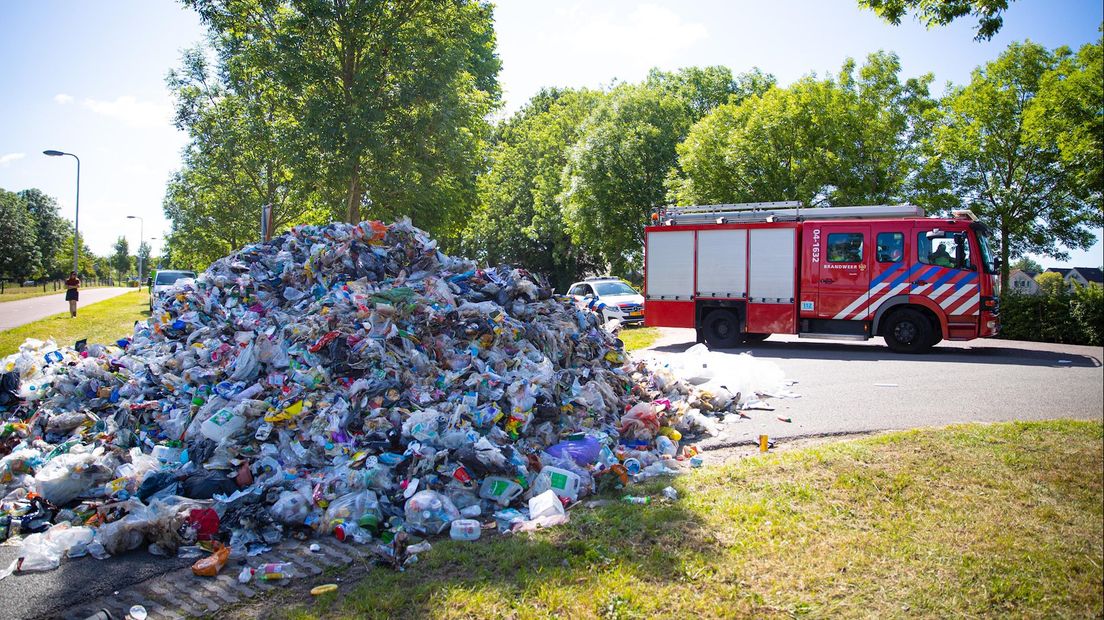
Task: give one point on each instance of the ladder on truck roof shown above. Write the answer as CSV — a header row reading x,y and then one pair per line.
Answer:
x,y
781,212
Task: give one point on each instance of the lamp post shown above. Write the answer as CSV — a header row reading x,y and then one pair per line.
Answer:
x,y
141,233
76,213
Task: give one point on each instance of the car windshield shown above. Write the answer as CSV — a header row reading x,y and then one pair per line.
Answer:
x,y
172,276
613,288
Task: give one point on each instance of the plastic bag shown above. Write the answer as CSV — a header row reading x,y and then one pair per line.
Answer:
x,y
640,422
354,507
583,451
212,564
68,475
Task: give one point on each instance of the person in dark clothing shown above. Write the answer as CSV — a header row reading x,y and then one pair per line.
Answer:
x,y
72,285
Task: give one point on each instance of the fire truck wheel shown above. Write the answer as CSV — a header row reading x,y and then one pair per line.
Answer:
x,y
908,332
722,329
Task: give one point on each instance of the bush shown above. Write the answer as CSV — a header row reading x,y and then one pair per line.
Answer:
x,y
1056,315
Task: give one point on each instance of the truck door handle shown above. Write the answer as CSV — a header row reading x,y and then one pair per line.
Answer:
x,y
827,281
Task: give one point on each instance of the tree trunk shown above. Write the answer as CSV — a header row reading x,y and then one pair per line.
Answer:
x,y
1004,256
352,199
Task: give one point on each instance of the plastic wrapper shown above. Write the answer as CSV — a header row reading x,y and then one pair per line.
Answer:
x,y
430,512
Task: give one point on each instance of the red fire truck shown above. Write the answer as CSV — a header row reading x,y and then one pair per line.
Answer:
x,y
739,273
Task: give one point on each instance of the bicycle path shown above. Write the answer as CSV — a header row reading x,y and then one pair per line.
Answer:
x,y
23,311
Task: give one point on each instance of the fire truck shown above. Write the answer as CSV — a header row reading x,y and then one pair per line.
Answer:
x,y
739,273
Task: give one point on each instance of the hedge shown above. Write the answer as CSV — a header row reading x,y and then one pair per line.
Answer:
x,y
1060,316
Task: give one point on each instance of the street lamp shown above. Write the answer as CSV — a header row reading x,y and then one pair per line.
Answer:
x,y
141,229
76,214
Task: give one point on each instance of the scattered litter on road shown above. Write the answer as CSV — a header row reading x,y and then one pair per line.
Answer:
x,y
345,380
323,589
670,493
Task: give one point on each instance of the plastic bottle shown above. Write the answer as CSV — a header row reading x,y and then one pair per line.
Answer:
x,y
563,482
465,529
274,571
665,446
635,499
499,489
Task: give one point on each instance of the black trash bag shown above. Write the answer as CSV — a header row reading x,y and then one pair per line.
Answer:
x,y
9,388
205,484
154,482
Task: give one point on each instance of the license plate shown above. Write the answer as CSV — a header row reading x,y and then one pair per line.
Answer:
x,y
637,313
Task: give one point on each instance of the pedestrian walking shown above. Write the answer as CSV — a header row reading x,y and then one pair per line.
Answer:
x,y
71,293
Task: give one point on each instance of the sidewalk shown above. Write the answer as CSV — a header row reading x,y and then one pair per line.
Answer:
x,y
23,311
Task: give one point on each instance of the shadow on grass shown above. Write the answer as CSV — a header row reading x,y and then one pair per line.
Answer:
x,y
607,560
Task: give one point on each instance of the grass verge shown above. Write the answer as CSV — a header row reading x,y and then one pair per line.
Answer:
x,y
975,520
105,321
15,293
638,337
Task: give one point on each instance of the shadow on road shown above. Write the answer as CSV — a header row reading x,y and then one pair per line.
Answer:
x,y
816,350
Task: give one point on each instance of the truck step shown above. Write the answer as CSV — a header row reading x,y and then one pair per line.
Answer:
x,y
858,337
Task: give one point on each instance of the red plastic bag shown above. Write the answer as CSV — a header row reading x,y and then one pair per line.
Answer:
x,y
205,521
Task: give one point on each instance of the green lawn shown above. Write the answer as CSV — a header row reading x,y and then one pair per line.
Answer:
x,y
105,321
969,521
638,337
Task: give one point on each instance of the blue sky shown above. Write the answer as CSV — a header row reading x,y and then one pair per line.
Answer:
x,y
88,77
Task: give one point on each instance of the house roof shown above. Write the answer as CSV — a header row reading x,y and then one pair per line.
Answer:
x,y
1030,274
1091,274
1062,270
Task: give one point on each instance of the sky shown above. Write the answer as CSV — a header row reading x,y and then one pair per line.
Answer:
x,y
89,78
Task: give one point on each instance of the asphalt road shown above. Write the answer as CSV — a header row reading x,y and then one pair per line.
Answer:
x,y
23,311
855,387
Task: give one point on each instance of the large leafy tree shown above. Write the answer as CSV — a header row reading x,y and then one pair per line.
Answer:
x,y
19,254
1068,111
241,156
520,219
392,96
1022,186
50,230
933,13
617,170
853,139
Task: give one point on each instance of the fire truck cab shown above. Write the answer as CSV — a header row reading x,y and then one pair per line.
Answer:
x,y
739,273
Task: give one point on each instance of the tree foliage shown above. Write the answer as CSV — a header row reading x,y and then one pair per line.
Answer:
x,y
389,97
1021,185
616,172
933,13
120,260
19,253
1025,263
520,219
853,139
50,231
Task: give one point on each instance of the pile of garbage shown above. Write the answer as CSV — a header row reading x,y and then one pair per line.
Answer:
x,y
347,380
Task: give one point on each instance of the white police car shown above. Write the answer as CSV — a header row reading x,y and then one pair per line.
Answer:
x,y
612,297
163,280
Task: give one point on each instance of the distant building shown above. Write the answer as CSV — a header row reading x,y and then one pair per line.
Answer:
x,y
1084,276
1023,282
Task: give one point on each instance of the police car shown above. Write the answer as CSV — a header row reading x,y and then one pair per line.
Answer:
x,y
611,297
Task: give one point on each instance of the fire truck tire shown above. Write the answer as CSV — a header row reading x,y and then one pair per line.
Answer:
x,y
722,329
908,331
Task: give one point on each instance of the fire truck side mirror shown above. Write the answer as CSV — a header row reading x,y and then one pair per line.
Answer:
x,y
934,234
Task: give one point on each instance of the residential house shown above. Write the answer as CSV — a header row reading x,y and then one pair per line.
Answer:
x,y
1084,276
1023,282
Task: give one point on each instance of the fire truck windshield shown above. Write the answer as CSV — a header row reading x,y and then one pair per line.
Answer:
x,y
987,261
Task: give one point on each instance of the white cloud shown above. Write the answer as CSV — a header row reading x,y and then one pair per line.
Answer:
x,y
10,157
132,111
63,99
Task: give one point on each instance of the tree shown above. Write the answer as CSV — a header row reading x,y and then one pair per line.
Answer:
x,y
143,257
1026,264
1069,111
392,96
19,257
1024,189
1051,284
120,260
520,219
942,12
617,170
855,139
239,159
61,263
50,230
